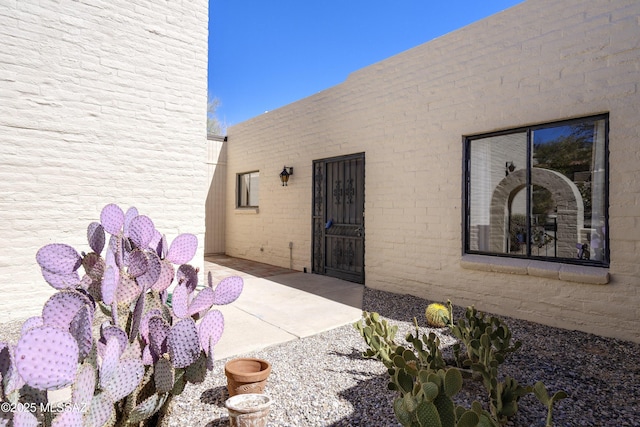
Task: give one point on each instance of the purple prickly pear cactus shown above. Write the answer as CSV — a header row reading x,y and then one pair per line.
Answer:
x,y
108,331
126,379
61,308
153,271
11,381
96,237
147,408
210,330
164,375
32,322
165,277
127,291
156,244
25,419
141,231
61,281
147,357
59,263
58,258
110,281
47,358
187,276
130,277
110,355
158,332
137,263
115,251
180,301
164,247
202,302
132,212
80,329
184,304
112,219
94,267
182,249
144,322
228,290
85,385
119,377
183,344
101,410
136,318
68,419
5,359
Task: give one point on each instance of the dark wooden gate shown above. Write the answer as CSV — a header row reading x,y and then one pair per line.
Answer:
x,y
338,217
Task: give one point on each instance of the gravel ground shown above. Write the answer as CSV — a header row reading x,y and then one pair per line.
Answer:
x,y
323,380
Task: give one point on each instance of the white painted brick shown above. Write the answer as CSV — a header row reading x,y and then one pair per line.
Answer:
x,y
94,109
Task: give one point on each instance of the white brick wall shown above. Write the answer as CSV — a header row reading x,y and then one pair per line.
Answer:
x,y
100,102
540,61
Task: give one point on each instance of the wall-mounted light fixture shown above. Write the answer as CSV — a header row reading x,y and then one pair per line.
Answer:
x,y
508,168
285,174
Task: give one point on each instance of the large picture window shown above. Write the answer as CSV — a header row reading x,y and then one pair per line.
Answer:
x,y
248,189
539,192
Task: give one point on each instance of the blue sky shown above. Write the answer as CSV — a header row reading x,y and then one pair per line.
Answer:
x,y
267,54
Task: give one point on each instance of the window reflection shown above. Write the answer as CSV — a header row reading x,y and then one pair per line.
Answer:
x,y
539,192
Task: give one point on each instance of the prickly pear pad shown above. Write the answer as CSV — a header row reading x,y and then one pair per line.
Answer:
x,y
182,249
112,218
47,358
228,290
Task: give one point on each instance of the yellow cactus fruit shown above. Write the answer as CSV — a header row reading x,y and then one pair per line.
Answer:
x,y
437,315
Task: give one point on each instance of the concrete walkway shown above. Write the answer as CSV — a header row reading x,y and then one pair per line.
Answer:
x,y
279,305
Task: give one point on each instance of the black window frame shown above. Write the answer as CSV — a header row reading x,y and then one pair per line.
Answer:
x,y
466,183
239,178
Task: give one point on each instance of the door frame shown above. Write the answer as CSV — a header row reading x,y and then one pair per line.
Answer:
x,y
319,195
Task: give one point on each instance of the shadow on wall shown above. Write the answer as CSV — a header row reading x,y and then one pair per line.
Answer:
x,y
215,216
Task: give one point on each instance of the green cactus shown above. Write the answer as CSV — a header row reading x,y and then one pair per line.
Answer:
x,y
504,399
429,354
426,386
427,414
470,330
540,391
437,315
378,335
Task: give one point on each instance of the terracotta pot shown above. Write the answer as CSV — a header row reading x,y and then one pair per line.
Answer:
x,y
248,410
246,375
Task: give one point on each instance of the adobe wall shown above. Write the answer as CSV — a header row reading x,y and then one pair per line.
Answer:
x,y
538,62
100,103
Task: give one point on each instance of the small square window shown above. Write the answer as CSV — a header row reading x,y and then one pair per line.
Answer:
x,y
248,189
540,192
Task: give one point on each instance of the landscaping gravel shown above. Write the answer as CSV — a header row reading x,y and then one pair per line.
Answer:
x,y
323,380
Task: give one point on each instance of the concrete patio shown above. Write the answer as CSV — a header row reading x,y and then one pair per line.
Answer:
x,y
279,305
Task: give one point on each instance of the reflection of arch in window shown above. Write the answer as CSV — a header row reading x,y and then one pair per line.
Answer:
x,y
565,194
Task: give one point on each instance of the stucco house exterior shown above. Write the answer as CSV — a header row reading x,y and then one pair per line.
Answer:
x,y
497,165
100,102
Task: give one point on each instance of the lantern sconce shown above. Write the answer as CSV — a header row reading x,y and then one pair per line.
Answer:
x,y
508,168
285,174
